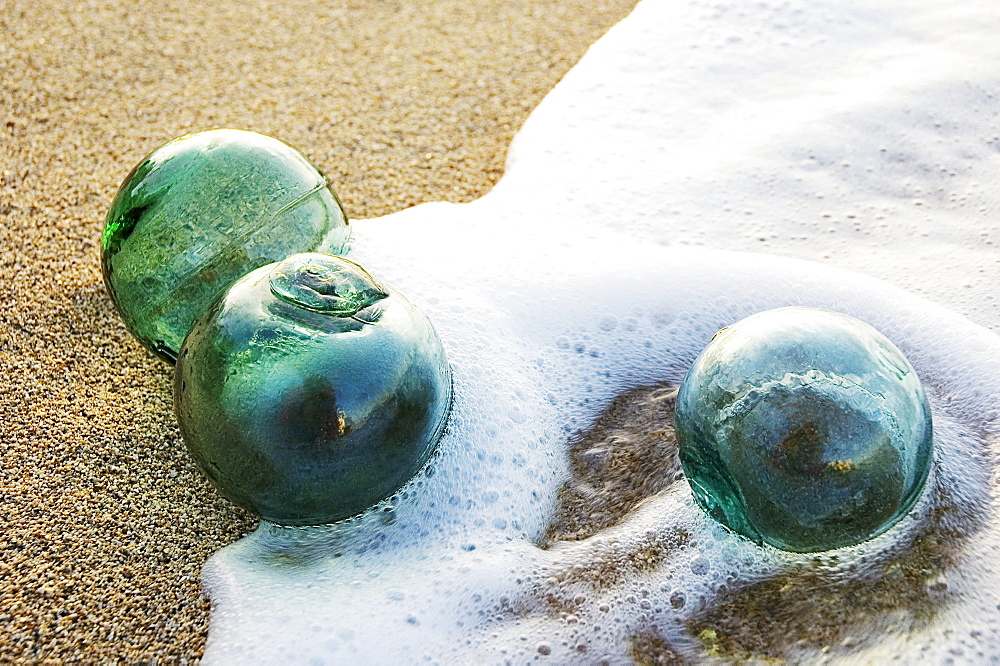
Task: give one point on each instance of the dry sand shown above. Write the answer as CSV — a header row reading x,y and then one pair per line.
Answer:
x,y
106,523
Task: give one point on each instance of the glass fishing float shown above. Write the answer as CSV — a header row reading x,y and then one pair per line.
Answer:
x,y
804,429
201,212
311,391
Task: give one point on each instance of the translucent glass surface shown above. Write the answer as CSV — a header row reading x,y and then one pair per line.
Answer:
x,y
199,213
310,391
805,429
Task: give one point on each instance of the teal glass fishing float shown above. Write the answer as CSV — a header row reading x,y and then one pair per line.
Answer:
x,y
199,213
804,429
310,391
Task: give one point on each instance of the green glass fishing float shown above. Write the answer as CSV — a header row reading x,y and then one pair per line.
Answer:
x,y
199,213
805,429
311,391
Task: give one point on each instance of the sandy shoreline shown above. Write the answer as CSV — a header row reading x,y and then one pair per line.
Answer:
x,y
106,523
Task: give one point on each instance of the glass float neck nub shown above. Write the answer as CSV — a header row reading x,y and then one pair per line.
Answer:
x,y
329,285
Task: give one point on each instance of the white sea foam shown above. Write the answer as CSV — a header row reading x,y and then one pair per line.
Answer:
x,y
857,133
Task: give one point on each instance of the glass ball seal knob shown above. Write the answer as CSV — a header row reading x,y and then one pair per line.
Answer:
x,y
805,429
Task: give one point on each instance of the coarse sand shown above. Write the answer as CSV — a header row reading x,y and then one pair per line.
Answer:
x,y
105,521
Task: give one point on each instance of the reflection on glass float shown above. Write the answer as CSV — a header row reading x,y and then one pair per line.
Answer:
x,y
199,213
805,429
310,391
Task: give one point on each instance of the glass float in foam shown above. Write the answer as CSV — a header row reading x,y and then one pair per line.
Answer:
x,y
199,213
310,391
805,429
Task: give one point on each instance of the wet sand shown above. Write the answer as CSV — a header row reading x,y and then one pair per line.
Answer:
x,y
106,522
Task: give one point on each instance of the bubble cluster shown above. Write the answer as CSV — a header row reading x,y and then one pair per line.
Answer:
x,y
520,395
